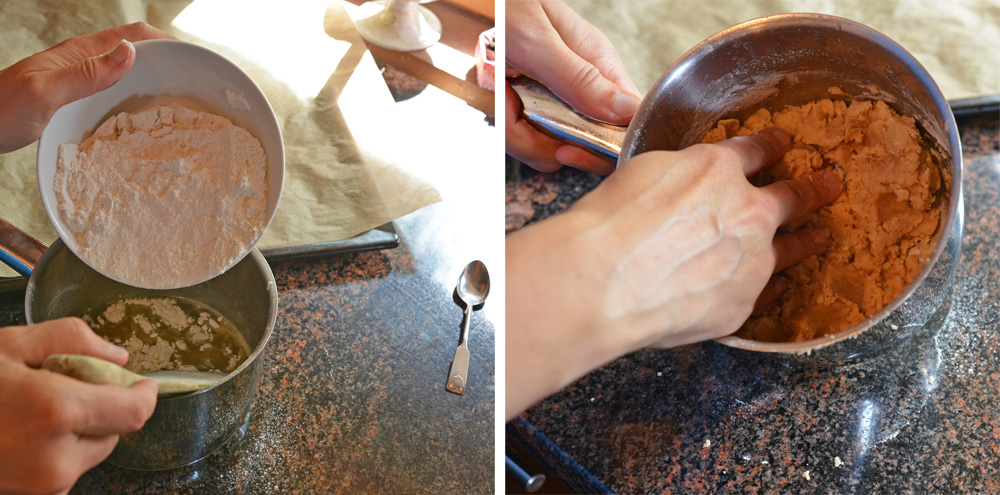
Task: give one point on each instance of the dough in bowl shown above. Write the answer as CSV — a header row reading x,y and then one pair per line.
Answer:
x,y
882,228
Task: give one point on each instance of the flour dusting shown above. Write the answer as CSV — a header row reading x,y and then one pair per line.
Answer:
x,y
237,101
163,198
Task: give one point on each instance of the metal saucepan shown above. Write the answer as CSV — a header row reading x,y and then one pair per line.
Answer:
x,y
186,428
773,62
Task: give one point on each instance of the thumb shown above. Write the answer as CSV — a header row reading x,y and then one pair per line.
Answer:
x,y
91,75
583,85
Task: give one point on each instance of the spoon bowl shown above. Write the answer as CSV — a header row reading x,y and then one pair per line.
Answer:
x,y
474,284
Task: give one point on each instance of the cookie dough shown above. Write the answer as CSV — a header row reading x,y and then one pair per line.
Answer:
x,y
882,227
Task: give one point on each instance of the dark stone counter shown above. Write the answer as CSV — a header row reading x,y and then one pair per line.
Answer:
x,y
923,418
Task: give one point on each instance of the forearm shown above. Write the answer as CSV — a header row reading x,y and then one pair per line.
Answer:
x,y
554,334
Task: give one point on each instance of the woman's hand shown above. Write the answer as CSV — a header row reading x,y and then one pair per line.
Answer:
x,y
673,248
55,428
34,88
549,42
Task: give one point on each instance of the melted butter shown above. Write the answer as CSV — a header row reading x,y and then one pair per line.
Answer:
x,y
170,333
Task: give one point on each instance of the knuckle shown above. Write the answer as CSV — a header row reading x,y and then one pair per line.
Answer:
x,y
54,415
139,27
584,79
764,209
89,69
752,146
33,86
723,157
134,421
797,190
75,329
138,415
810,192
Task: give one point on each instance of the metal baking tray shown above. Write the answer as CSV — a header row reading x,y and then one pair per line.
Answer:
x,y
974,107
382,237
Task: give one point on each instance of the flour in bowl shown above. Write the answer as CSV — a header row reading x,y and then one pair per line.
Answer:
x,y
163,198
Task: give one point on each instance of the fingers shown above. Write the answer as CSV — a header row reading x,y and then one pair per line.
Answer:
x,y
524,142
95,61
541,152
91,419
137,31
89,45
790,249
584,87
552,38
571,156
32,344
90,75
114,410
760,149
590,43
795,197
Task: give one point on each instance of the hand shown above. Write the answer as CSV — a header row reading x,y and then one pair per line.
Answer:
x,y
34,88
673,248
54,428
549,42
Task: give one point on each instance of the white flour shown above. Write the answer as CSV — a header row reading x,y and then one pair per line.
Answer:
x,y
164,198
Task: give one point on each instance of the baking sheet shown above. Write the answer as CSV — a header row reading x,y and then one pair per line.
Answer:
x,y
382,237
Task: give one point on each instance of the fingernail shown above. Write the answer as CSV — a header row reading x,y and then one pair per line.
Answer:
x,y
121,52
119,351
624,105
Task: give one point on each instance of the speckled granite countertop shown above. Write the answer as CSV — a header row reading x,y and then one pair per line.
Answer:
x,y
924,418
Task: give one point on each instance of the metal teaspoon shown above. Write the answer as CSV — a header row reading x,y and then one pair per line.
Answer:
x,y
473,287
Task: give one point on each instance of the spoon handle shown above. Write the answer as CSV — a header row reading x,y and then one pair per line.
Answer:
x,y
460,365
466,322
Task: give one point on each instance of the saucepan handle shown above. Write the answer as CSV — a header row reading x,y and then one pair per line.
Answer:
x,y
543,109
19,250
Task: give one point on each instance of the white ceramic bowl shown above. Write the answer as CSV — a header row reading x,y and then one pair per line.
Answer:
x,y
164,71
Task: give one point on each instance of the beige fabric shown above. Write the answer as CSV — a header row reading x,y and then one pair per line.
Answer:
x,y
331,192
957,41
